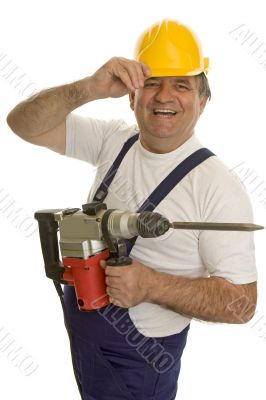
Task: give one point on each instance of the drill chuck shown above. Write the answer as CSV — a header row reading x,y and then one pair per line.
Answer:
x,y
124,224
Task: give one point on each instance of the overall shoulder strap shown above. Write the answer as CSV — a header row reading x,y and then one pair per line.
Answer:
x,y
162,190
169,183
102,190
174,178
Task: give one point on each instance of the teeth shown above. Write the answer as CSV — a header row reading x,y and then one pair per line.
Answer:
x,y
163,111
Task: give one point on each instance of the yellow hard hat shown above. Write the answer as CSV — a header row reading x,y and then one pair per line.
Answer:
x,y
171,49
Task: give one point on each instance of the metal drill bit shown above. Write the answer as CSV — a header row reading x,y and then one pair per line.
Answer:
x,y
216,226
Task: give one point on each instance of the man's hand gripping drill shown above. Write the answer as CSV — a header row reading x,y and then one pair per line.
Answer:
x,y
95,242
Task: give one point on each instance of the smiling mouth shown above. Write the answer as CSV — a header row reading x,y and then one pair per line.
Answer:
x,y
164,112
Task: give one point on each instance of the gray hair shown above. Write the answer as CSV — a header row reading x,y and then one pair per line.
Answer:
x,y
203,85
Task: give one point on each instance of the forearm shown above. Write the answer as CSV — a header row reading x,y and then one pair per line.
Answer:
x,y
46,110
210,299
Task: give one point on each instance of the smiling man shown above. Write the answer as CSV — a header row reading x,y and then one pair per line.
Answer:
x,y
167,109
132,349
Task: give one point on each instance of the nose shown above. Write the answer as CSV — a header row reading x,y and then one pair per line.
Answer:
x,y
164,93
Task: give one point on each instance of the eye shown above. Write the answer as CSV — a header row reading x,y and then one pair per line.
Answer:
x,y
151,83
182,87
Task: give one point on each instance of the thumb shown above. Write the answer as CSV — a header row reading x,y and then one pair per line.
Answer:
x,y
103,264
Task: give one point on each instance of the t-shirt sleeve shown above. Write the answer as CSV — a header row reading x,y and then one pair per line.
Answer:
x,y
85,137
228,254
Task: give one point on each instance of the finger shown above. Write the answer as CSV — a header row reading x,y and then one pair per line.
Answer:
x,y
145,71
112,292
127,76
112,283
113,271
103,264
140,72
114,301
145,68
138,75
131,73
134,70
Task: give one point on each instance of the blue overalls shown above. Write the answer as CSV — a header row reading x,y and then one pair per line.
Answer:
x,y
111,358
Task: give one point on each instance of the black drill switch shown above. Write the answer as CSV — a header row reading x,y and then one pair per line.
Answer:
x,y
93,208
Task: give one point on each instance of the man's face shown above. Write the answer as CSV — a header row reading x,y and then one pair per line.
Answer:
x,y
167,109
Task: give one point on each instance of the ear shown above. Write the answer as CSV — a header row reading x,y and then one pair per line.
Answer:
x,y
132,100
203,102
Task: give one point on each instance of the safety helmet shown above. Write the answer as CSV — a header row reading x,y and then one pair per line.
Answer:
x,y
171,49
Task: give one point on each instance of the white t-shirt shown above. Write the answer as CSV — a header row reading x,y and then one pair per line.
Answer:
x,y
210,192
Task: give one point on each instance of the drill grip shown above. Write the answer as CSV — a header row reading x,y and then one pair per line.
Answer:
x,y
119,261
48,228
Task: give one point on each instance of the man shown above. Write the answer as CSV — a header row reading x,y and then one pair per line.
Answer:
x,y
183,274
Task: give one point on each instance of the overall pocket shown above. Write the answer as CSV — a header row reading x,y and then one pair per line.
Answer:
x,y
162,372
99,379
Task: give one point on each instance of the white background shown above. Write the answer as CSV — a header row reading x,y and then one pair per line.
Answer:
x,y
55,42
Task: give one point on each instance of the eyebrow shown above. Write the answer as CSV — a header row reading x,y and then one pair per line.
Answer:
x,y
182,80
177,79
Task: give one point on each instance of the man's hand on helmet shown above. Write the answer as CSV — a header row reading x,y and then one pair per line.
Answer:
x,y
118,77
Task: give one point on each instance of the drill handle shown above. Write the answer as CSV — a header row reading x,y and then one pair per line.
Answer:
x,y
119,261
48,228
119,258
